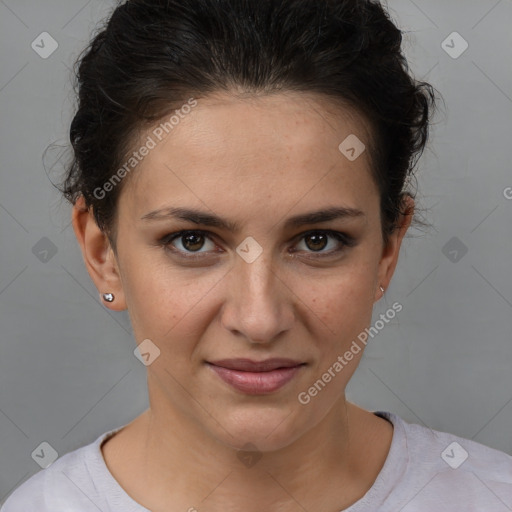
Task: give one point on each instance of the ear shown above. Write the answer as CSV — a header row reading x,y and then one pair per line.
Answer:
x,y
98,255
391,251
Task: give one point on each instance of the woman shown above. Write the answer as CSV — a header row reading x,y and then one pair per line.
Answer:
x,y
239,185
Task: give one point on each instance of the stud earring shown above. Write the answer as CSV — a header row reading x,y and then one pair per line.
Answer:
x,y
108,297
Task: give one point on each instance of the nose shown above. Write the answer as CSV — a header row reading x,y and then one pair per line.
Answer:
x,y
259,302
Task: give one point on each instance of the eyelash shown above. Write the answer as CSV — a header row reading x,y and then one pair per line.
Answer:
x,y
165,242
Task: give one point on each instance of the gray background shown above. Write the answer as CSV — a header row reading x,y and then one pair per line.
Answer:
x,y
67,369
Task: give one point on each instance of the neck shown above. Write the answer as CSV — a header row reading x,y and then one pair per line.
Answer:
x,y
328,468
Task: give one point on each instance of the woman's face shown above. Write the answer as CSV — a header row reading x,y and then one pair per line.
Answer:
x,y
265,289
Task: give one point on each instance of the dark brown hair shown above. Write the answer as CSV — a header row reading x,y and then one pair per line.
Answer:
x,y
151,56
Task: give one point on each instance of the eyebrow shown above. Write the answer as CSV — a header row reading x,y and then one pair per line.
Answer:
x,y
207,219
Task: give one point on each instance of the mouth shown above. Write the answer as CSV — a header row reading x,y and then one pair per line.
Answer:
x,y
256,377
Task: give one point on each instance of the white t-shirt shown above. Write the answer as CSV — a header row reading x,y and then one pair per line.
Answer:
x,y
425,471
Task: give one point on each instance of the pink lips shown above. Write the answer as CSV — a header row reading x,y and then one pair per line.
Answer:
x,y
253,377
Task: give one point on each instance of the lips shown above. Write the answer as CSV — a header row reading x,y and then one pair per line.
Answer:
x,y
247,365
256,377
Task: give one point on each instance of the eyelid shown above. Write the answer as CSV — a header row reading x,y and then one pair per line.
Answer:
x,y
343,238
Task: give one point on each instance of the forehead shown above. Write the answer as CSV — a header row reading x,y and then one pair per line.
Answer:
x,y
281,148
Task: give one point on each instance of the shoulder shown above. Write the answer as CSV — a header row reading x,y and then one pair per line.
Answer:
x,y
443,468
64,486
448,452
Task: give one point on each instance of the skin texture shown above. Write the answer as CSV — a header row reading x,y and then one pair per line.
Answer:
x,y
255,161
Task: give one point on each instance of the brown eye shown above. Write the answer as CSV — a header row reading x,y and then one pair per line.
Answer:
x,y
192,241
316,241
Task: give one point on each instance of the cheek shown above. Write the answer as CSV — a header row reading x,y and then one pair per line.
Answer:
x,y
341,301
166,301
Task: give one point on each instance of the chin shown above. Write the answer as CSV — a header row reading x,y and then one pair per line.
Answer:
x,y
267,429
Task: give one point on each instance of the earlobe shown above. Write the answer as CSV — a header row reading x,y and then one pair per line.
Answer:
x,y
98,255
